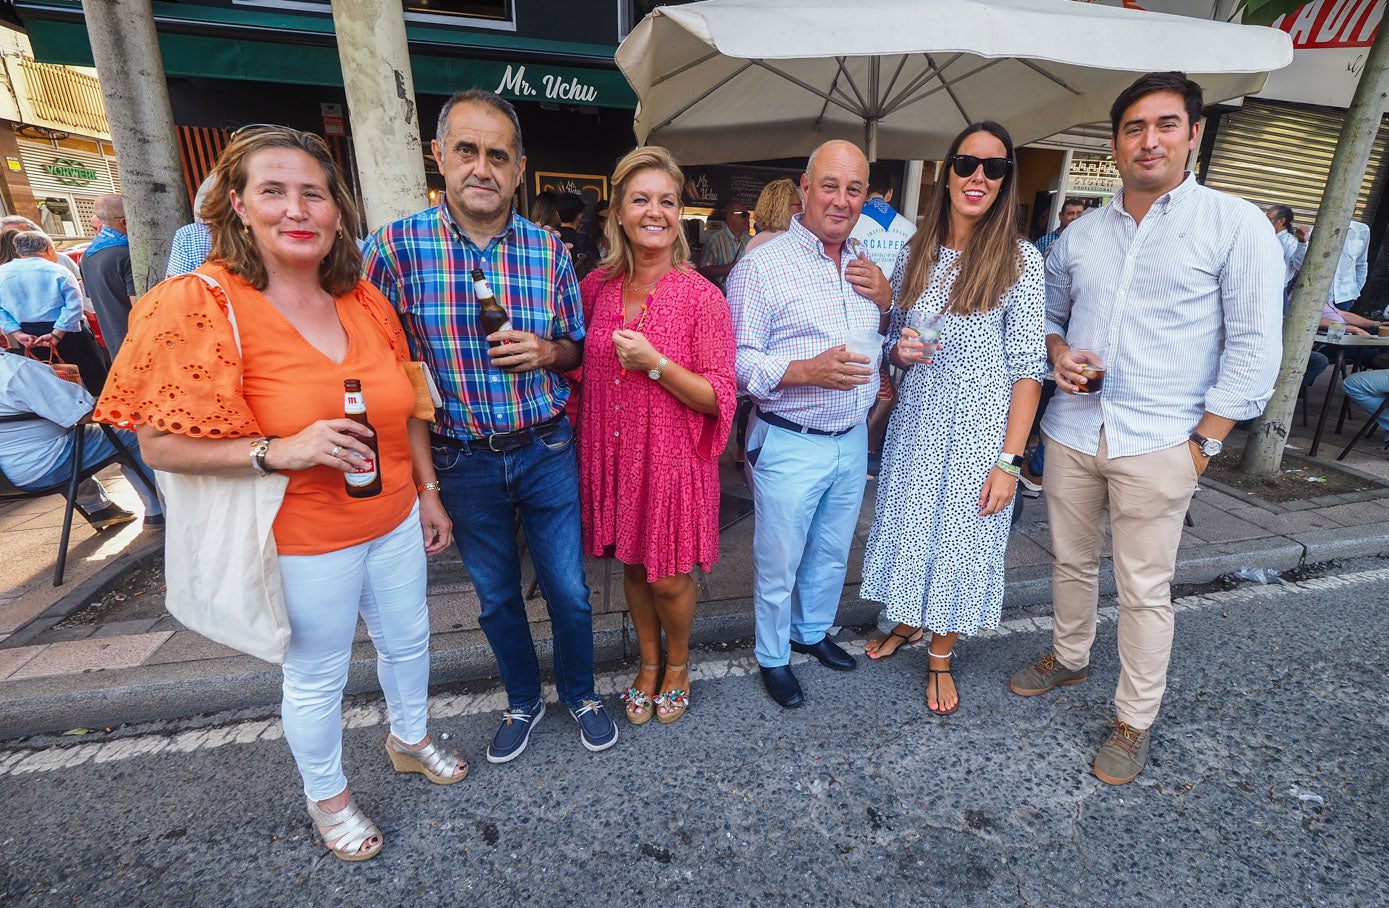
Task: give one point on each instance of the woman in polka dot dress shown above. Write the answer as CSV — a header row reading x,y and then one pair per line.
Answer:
x,y
945,493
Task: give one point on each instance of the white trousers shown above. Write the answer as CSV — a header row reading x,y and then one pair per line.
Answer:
x,y
384,581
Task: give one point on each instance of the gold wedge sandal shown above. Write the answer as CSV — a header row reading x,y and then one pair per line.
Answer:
x,y
348,830
440,766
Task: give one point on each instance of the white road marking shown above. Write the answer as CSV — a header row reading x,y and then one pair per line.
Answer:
x,y
22,761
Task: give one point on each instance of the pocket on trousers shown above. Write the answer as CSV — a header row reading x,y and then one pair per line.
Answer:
x,y
561,439
445,458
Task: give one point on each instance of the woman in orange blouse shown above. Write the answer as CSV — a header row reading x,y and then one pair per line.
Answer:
x,y
269,398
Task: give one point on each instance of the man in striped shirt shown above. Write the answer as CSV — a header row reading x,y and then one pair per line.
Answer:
x,y
502,446
1178,289
797,305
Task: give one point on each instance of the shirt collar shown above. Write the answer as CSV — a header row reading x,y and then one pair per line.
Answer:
x,y
805,238
451,226
1165,201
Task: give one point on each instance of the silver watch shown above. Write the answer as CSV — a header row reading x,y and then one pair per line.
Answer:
x,y
655,374
1209,446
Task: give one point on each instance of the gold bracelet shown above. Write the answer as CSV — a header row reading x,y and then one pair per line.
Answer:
x,y
431,486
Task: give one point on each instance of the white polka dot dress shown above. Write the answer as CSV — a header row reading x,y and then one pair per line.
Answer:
x,y
931,559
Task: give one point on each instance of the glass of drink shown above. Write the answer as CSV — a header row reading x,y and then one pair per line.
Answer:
x,y
1335,332
1384,330
1092,367
865,342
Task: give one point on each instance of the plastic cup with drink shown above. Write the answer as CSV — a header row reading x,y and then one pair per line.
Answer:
x,y
1335,332
925,327
1093,362
865,342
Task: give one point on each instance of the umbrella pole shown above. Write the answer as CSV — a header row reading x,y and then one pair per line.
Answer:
x,y
871,138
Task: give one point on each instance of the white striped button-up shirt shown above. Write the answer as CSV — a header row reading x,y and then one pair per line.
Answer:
x,y
1188,307
790,301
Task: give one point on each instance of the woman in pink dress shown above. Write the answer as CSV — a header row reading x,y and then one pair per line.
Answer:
x,y
657,406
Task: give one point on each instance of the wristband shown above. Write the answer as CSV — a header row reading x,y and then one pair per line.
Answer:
x,y
1009,467
431,486
258,451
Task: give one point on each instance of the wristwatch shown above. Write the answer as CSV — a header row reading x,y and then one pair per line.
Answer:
x,y
655,374
1011,459
1209,446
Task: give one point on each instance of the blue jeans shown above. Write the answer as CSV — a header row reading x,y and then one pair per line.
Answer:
x,y
483,492
96,447
807,491
1368,389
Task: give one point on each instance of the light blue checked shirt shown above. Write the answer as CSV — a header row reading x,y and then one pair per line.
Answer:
x,y
790,301
33,289
190,248
1189,304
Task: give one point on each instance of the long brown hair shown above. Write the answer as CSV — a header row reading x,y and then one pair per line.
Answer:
x,y
234,247
619,261
990,261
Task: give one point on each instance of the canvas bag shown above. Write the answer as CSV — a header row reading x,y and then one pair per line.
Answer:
x,y
220,561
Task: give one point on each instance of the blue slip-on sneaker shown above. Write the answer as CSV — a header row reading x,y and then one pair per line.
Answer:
x,y
515,732
596,730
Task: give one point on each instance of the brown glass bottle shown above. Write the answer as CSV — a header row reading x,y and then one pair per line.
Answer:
x,y
489,311
365,481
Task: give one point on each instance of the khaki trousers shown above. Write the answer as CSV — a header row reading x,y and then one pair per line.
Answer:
x,y
1146,496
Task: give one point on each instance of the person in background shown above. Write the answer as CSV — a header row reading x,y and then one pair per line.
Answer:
x,y
269,399
503,448
37,453
657,408
797,304
1292,239
192,242
1133,448
1072,209
545,211
1352,267
106,273
939,539
727,246
41,306
597,227
1369,389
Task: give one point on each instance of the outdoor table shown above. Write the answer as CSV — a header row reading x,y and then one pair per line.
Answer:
x,y
1337,367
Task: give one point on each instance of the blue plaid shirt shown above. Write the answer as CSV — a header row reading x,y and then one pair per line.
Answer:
x,y
423,265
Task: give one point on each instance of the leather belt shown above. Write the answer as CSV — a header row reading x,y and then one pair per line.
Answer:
x,y
504,441
782,423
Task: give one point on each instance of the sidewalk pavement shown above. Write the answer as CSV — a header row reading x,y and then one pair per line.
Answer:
x,y
100,674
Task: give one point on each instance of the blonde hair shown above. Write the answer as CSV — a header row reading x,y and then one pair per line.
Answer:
x,y
236,249
990,261
773,206
620,261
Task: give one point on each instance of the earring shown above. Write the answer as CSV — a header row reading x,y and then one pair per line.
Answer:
x,y
245,228
339,233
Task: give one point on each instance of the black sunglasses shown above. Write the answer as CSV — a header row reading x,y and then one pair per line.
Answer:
x,y
965,165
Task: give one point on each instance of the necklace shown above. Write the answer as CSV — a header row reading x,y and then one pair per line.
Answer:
x,y
628,287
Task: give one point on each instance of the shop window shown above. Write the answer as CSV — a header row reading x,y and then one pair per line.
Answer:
x,y
630,12
487,13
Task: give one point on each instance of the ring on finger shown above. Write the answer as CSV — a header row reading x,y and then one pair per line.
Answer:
x,y
337,451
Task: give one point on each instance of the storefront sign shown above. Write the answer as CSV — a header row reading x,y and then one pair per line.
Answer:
x,y
1092,176
591,187
70,172
334,123
717,186
546,86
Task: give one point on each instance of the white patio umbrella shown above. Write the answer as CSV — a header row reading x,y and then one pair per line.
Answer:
x,y
739,80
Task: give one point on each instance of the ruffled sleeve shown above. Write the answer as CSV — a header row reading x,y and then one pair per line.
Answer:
x,y
712,356
381,312
179,369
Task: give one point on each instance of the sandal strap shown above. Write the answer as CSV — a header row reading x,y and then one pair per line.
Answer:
x,y
440,762
348,829
635,697
675,697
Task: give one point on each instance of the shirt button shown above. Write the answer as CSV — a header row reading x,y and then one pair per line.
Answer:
x,y
617,381
617,434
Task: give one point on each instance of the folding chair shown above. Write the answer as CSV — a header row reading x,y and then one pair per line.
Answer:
x,y
68,487
1366,429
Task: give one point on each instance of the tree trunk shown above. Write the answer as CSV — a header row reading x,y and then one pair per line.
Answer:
x,y
381,102
1263,453
131,69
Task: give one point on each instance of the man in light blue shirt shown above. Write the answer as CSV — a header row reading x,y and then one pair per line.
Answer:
x,y
41,308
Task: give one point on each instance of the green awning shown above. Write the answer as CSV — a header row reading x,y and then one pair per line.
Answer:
x,y
266,49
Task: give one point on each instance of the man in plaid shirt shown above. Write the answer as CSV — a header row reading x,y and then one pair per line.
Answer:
x,y
796,304
501,443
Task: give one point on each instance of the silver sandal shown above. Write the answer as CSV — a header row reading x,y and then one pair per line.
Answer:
x,y
349,829
442,767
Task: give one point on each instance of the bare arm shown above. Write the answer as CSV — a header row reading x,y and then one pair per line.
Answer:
x,y
314,446
434,520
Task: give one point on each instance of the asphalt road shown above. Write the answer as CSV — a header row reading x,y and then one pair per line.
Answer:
x,y
1267,786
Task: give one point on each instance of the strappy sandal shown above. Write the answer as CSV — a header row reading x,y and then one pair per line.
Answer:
x,y
440,766
934,675
348,829
907,640
676,699
638,703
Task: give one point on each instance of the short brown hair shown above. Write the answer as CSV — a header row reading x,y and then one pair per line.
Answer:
x,y
619,261
234,247
1151,84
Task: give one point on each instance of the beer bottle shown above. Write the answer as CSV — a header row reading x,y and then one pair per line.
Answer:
x,y
489,312
365,481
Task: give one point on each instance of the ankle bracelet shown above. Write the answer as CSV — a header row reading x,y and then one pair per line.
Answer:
x,y
935,655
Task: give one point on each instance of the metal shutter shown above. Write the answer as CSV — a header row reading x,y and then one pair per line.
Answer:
x,y
1280,154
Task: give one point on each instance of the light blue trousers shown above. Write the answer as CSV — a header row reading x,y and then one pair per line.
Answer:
x,y
384,580
807,490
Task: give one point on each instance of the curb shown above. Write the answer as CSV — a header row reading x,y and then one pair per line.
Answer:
x,y
181,689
